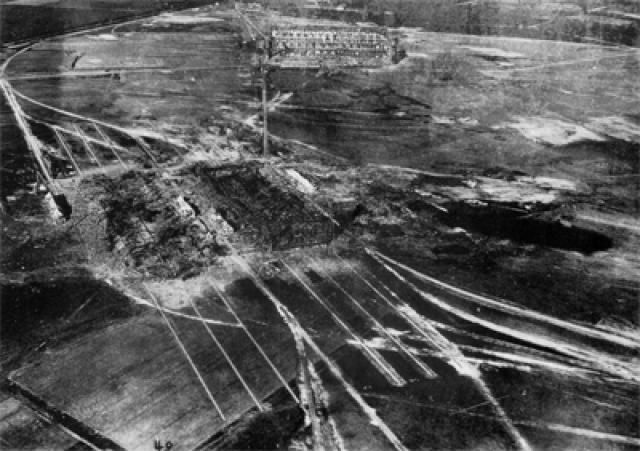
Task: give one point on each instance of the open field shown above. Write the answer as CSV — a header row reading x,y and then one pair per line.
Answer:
x,y
28,19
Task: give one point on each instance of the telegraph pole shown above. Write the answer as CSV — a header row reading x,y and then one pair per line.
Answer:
x,y
266,54
264,72
265,109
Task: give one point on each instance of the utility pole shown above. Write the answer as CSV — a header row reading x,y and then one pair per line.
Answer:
x,y
264,72
265,109
266,55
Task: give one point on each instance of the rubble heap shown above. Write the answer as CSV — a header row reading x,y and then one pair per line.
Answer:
x,y
175,224
155,228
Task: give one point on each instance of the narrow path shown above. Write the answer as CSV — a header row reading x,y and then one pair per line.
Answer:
x,y
455,356
293,323
426,372
510,308
372,355
597,360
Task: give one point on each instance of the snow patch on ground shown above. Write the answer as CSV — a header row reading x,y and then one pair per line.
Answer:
x,y
301,183
610,220
52,207
492,52
375,342
443,120
554,132
146,133
616,127
550,183
175,293
103,37
526,190
279,99
88,62
184,19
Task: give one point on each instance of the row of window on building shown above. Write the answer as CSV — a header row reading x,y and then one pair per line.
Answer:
x,y
283,44
340,53
330,36
331,43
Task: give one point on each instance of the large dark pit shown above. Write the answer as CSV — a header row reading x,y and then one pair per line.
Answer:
x,y
524,227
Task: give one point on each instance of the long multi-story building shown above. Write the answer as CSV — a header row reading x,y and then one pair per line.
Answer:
x,y
343,45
